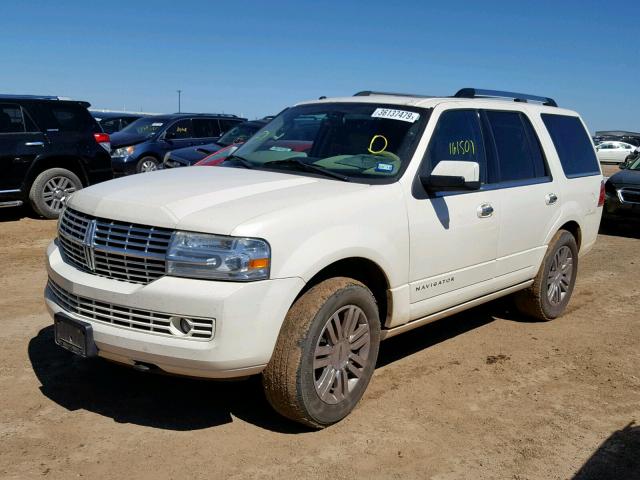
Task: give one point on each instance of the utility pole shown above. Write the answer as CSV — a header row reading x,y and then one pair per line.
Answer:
x,y
179,94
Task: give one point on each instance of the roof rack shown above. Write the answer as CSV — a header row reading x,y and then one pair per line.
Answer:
x,y
230,115
33,97
517,97
366,93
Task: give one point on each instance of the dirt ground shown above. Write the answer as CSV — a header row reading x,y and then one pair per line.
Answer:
x,y
482,395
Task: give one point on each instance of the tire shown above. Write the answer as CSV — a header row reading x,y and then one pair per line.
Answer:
x,y
49,190
147,164
551,291
312,396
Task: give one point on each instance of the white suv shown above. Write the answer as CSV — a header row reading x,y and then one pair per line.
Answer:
x,y
342,222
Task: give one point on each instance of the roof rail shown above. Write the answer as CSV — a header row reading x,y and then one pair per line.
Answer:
x,y
517,97
366,93
230,115
32,97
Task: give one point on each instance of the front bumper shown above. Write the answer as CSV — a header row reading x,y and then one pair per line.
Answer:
x,y
248,317
123,166
615,206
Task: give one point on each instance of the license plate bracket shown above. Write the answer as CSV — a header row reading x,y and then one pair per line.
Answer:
x,y
74,335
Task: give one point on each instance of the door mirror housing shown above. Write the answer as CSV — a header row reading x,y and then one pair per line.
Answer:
x,y
452,175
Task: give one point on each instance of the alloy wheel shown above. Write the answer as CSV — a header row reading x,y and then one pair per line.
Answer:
x,y
560,275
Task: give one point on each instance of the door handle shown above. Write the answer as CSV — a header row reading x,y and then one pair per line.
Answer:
x,y
485,210
551,198
34,144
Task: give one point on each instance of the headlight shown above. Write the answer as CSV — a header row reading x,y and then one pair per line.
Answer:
x,y
123,152
216,257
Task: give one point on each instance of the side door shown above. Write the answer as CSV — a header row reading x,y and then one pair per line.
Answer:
x,y
453,234
179,135
205,130
20,143
530,197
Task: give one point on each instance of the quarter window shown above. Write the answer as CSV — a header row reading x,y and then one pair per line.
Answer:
x,y
457,136
572,144
11,119
516,146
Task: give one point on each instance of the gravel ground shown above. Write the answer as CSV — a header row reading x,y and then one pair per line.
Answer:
x,y
483,395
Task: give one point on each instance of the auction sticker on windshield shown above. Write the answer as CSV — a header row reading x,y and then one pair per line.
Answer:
x,y
403,115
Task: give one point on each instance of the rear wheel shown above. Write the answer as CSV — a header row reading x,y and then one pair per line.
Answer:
x,y
325,354
50,190
147,164
551,291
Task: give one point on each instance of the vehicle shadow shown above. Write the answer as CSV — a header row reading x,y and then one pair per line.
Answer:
x,y
617,458
13,214
153,400
620,227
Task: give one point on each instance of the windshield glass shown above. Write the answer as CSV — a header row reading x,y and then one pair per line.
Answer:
x,y
362,141
238,134
145,126
635,165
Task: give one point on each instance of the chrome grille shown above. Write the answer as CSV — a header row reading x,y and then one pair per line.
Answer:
x,y
131,318
113,249
629,195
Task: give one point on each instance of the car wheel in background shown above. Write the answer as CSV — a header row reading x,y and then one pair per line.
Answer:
x,y
147,164
50,190
551,291
325,354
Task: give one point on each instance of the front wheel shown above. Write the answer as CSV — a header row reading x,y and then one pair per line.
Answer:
x,y
551,291
326,353
147,164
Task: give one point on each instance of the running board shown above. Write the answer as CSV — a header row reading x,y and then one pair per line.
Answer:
x,y
392,332
14,203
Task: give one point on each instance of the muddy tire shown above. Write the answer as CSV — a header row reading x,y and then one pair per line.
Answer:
x,y
50,189
325,354
551,291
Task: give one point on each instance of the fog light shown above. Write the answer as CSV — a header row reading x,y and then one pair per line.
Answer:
x,y
185,326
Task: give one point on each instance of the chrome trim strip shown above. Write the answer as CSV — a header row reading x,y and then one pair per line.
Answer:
x,y
15,190
13,203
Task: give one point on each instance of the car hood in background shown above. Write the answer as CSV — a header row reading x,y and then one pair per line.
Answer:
x,y
626,177
191,155
124,139
204,199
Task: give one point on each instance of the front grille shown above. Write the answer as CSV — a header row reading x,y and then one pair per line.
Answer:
x,y
629,195
126,317
113,249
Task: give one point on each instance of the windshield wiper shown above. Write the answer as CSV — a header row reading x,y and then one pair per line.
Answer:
x,y
309,167
242,161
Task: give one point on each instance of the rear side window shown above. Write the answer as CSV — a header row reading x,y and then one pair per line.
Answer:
x,y
11,119
457,136
71,118
205,127
516,146
573,145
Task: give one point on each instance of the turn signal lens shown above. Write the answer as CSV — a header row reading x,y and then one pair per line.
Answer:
x,y
258,263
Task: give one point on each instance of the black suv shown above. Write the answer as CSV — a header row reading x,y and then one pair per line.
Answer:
x,y
142,145
49,147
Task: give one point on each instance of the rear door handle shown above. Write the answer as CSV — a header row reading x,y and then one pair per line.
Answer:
x,y
551,198
34,144
485,210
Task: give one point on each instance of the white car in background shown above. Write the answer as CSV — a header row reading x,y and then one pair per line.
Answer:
x,y
613,152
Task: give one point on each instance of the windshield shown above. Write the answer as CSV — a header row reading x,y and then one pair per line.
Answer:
x,y
238,134
635,165
364,142
145,126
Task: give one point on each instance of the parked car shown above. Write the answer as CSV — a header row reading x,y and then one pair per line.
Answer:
x,y
49,148
184,157
142,145
223,154
295,265
623,191
613,152
112,122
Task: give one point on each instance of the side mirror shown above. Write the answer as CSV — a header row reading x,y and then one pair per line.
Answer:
x,y
453,175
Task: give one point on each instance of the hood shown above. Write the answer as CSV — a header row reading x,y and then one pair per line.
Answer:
x,y
191,155
124,139
203,199
626,177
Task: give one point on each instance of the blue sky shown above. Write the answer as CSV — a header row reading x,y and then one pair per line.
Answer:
x,y
255,58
